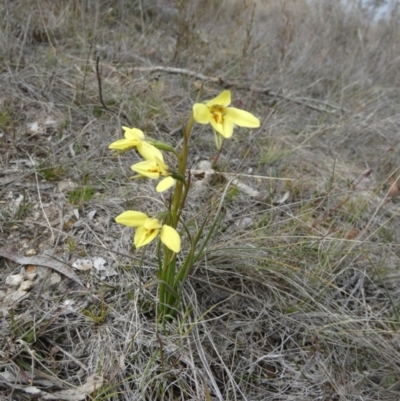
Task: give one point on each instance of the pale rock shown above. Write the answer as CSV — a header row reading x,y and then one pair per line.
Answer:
x,y
14,279
26,285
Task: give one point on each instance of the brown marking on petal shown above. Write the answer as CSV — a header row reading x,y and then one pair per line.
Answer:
x,y
155,170
218,113
149,232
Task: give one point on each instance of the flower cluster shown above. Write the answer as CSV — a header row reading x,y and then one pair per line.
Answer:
x,y
152,167
223,119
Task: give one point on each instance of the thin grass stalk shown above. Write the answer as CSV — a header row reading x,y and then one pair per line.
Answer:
x,y
215,223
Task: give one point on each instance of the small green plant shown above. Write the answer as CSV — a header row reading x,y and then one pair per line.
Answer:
x,y
21,329
23,207
5,118
51,172
271,154
7,115
71,244
62,126
80,195
97,314
172,273
232,194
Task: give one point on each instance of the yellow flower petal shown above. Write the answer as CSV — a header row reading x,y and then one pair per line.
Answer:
x,y
133,133
223,99
152,224
201,113
143,237
228,126
131,218
241,118
217,127
154,168
133,137
149,151
165,184
123,144
225,129
170,238
146,168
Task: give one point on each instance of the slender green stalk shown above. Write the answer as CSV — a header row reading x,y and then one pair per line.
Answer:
x,y
177,199
168,271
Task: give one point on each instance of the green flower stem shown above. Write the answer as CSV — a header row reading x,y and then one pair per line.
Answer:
x,y
178,200
167,298
170,288
184,270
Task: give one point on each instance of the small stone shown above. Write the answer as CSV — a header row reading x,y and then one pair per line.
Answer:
x,y
244,222
67,185
30,252
204,165
30,272
83,264
54,279
26,285
14,279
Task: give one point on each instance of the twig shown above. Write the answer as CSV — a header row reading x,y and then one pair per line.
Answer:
x,y
228,84
98,74
99,82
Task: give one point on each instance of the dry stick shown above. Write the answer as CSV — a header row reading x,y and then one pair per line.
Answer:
x,y
228,84
99,82
98,74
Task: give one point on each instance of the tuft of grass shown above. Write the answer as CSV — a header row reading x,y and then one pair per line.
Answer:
x,y
24,207
81,195
7,115
5,118
52,172
97,314
71,244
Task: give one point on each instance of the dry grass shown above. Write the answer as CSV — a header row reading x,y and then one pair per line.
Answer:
x,y
297,298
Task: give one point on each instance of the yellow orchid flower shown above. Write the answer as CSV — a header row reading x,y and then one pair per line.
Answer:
x,y
155,168
134,138
223,118
148,228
